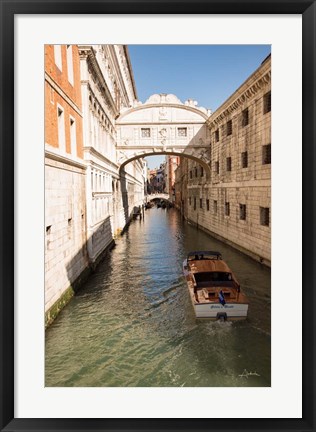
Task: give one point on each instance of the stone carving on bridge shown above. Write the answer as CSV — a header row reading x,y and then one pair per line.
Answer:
x,y
163,98
163,133
173,128
205,155
121,157
163,113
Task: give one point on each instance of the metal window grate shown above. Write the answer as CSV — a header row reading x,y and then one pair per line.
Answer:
x,y
228,164
264,216
245,117
244,159
227,209
242,211
182,132
267,103
145,132
217,135
229,127
266,154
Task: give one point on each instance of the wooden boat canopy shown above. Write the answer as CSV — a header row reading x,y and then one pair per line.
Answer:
x,y
209,266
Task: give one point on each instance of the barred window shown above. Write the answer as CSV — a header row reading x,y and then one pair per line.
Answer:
x,y
216,167
245,117
207,204
145,132
242,211
216,135
182,132
228,164
227,209
267,102
244,159
229,127
264,216
266,154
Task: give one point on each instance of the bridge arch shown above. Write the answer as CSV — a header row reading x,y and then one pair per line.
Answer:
x,y
204,164
164,125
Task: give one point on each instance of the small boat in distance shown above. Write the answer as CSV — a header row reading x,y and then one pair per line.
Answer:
x,y
214,290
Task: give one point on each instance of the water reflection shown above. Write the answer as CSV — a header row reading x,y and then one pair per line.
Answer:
x,y
132,324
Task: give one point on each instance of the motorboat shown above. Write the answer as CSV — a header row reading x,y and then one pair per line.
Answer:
x,y
214,290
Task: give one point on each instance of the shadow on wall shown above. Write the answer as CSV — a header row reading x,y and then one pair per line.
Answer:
x,y
124,193
82,264
92,252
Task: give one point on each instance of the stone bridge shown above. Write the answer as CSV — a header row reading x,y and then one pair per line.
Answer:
x,y
164,125
163,196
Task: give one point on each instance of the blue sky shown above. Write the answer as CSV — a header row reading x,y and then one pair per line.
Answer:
x,y
208,74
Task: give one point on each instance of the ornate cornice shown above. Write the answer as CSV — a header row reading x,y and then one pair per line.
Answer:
x,y
87,52
65,159
240,97
129,65
100,156
147,106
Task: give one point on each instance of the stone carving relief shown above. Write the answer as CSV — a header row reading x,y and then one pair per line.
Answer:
x,y
121,157
163,113
163,133
204,155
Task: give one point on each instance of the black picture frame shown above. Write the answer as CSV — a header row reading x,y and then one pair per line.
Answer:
x,y
8,10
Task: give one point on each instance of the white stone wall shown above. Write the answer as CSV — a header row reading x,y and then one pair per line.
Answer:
x,y
105,88
65,219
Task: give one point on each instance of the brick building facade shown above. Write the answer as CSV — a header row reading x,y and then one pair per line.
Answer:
x,y
65,210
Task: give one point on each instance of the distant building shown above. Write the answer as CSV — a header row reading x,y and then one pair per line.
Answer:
x,y
172,163
157,179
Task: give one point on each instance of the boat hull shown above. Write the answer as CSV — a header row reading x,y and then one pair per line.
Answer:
x,y
215,310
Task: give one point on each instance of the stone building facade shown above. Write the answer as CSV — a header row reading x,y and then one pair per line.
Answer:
x,y
88,198
107,88
234,204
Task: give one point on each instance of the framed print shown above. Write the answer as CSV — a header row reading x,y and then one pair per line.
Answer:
x,y
39,41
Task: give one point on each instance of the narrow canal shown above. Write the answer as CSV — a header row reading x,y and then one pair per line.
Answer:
x,y
132,323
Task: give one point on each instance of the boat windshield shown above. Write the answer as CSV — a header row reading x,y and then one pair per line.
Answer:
x,y
204,255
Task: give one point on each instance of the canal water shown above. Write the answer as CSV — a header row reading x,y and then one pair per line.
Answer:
x,y
132,323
